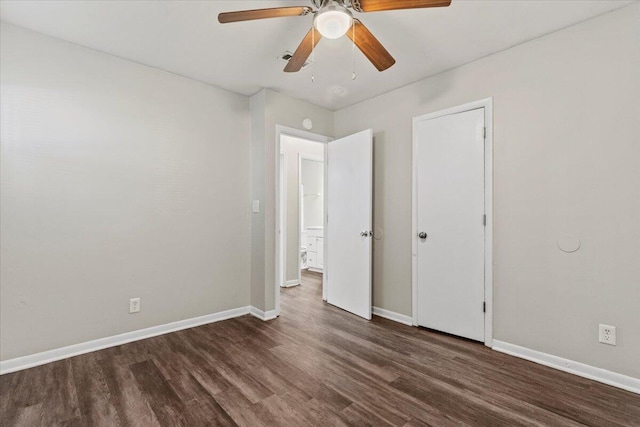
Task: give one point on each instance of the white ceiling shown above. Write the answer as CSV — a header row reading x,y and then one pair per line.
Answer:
x,y
185,37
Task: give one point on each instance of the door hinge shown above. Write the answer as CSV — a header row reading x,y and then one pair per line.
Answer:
x,y
484,220
484,307
484,132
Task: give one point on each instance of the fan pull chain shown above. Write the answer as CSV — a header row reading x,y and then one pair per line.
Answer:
x,y
353,49
313,52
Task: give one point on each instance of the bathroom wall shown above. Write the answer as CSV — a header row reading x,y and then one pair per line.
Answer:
x,y
312,180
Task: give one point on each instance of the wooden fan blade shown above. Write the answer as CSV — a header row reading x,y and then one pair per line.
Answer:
x,y
277,12
370,46
377,5
303,51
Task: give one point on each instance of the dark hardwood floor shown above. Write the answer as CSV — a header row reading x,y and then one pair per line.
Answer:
x,y
315,365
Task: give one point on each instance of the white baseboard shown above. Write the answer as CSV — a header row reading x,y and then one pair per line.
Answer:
x,y
391,315
269,315
290,283
37,359
587,371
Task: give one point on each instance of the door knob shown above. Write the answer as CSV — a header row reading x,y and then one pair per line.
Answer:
x,y
422,235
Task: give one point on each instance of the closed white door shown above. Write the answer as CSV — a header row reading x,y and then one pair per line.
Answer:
x,y
451,223
349,236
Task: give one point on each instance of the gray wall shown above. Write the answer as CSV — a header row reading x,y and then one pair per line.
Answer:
x,y
268,109
258,164
567,160
112,188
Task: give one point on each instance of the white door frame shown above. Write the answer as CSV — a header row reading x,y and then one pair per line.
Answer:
x,y
282,218
487,104
297,133
302,157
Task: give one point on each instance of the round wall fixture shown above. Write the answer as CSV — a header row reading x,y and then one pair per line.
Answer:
x,y
378,233
568,243
307,124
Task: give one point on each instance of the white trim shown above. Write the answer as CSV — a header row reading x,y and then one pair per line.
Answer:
x,y
37,359
285,130
487,104
488,234
300,217
414,226
392,315
291,283
283,221
269,315
325,241
577,368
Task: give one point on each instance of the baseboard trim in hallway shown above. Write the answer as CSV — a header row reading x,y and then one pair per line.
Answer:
x,y
37,359
290,283
577,368
263,315
391,315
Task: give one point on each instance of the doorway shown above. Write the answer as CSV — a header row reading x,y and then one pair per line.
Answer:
x,y
341,240
452,221
311,213
300,209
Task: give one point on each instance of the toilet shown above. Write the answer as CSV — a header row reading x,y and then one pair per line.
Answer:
x,y
303,250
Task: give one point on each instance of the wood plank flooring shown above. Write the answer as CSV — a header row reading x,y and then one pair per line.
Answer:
x,y
315,365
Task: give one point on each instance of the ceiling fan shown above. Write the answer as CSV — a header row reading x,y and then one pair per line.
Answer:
x,y
332,20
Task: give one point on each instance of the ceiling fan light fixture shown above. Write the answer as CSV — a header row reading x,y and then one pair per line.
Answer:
x,y
333,21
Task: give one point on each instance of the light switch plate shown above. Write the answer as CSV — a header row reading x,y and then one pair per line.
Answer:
x,y
256,206
134,305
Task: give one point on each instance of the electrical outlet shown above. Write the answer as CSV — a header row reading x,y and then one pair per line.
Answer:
x,y
134,305
607,334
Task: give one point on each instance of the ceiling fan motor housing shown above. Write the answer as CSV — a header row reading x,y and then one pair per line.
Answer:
x,y
333,19
355,5
321,3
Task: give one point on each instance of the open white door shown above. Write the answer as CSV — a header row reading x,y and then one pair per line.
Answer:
x,y
349,222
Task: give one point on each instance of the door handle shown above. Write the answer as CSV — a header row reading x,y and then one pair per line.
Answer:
x,y
422,235
366,233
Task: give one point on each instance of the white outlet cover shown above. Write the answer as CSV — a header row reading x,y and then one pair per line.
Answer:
x,y
607,334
